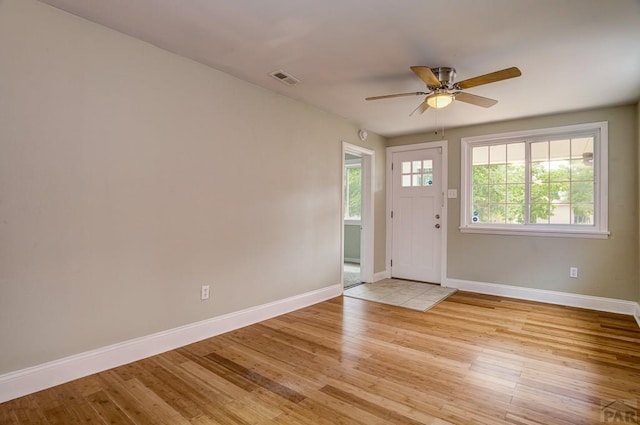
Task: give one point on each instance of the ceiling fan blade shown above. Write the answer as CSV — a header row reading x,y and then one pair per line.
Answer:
x,y
421,107
492,77
474,99
388,96
426,75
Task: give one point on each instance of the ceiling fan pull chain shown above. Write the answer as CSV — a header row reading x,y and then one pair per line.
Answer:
x,y
436,126
436,122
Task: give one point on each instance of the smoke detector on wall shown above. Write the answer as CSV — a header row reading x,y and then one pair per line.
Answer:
x,y
362,134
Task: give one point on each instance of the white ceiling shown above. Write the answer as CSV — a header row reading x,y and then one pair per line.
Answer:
x,y
573,54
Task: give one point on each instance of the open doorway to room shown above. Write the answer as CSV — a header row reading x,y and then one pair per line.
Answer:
x,y
352,219
357,218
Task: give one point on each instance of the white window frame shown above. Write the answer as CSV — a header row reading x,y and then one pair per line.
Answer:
x,y
599,230
352,163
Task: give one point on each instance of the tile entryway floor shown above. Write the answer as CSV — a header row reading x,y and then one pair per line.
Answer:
x,y
403,293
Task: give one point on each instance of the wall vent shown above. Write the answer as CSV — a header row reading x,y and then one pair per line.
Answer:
x,y
285,77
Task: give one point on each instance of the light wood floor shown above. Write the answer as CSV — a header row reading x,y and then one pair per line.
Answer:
x,y
472,359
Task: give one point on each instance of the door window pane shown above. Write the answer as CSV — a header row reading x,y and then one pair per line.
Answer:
x,y
417,173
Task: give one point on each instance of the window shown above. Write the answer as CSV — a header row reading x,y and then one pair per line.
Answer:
x,y
550,182
417,173
352,191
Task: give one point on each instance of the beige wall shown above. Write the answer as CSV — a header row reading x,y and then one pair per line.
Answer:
x,y
607,268
130,176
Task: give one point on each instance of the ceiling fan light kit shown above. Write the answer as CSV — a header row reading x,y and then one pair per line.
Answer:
x,y
440,99
440,83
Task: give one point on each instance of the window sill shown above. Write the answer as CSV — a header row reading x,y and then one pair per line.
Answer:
x,y
348,222
545,232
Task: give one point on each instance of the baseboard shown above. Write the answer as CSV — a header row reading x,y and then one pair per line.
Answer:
x,y
552,297
381,275
636,314
36,378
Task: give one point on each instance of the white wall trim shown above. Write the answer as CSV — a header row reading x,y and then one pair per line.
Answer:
x,y
636,314
541,295
26,381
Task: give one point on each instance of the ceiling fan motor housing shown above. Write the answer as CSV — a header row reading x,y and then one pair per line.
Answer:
x,y
445,75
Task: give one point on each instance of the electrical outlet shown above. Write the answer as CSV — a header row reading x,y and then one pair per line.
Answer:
x,y
573,272
204,292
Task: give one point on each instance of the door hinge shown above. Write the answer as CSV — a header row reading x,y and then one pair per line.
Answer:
x,y
391,213
391,263
392,166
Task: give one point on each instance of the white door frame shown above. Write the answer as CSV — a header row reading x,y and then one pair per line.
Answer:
x,y
366,222
443,144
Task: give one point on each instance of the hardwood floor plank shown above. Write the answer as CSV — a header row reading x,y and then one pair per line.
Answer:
x,y
7,414
171,391
189,383
361,409
159,410
324,410
26,411
258,379
260,406
108,410
424,399
126,402
472,359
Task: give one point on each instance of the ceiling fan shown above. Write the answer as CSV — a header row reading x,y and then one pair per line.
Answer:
x,y
441,86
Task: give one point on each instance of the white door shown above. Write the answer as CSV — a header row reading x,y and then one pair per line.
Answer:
x,y
416,214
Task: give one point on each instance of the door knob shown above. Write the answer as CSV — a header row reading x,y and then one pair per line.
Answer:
x,y
437,225
437,215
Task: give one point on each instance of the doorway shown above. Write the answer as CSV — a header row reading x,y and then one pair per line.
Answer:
x,y
417,211
357,215
352,219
